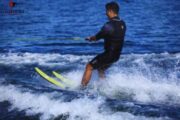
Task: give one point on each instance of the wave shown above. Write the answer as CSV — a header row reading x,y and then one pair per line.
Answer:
x,y
29,58
51,108
144,78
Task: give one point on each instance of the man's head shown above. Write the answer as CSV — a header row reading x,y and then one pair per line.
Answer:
x,y
112,9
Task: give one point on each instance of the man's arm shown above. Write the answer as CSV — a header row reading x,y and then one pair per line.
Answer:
x,y
107,29
91,38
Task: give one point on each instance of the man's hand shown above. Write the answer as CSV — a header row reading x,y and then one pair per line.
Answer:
x,y
92,38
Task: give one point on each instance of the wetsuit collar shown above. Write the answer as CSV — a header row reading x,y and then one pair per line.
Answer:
x,y
116,18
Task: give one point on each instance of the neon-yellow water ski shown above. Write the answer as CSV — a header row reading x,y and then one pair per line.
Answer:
x,y
48,78
65,80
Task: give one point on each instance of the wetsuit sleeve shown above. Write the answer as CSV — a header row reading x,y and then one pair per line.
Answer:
x,y
106,30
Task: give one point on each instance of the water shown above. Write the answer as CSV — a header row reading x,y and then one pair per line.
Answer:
x,y
143,85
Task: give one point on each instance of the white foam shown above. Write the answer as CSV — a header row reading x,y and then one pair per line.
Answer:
x,y
47,59
141,88
148,87
54,59
85,108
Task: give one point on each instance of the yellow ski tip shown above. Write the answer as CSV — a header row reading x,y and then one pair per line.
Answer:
x,y
65,80
48,78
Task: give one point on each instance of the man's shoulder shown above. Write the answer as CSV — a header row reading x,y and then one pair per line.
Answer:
x,y
112,22
108,26
123,21
108,23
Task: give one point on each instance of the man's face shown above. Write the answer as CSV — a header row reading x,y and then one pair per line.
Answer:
x,y
109,13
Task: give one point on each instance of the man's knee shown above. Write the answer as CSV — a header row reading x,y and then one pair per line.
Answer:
x,y
89,67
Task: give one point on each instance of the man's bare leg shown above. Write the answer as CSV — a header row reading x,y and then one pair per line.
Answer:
x,y
87,75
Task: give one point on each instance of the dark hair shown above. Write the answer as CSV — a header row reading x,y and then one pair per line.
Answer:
x,y
113,6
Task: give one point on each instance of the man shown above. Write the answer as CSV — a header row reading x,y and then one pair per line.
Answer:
x,y
113,33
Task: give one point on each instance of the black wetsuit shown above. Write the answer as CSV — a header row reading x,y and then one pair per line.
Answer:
x,y
113,33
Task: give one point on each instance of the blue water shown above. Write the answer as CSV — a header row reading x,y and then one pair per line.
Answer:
x,y
143,85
